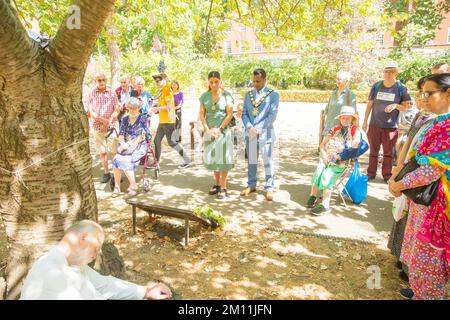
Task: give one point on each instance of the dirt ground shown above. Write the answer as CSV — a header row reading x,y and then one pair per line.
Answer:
x,y
252,257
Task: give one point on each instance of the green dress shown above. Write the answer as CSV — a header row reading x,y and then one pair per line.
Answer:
x,y
218,153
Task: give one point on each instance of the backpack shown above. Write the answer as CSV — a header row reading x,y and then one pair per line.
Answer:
x,y
378,84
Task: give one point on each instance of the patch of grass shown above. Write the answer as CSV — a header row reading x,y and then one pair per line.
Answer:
x,y
211,214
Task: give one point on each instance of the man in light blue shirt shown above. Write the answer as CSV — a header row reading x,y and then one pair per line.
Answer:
x,y
259,114
63,272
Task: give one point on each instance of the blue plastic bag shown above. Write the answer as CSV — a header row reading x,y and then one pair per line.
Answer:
x,y
356,187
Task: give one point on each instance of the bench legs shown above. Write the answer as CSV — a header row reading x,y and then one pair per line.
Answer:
x,y
134,220
186,227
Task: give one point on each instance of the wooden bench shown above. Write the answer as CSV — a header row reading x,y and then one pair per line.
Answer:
x,y
185,215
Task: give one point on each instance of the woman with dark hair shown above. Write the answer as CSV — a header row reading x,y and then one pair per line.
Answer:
x,y
179,100
422,118
216,112
426,245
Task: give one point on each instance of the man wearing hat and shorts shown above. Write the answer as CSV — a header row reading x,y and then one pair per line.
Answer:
x,y
386,99
165,106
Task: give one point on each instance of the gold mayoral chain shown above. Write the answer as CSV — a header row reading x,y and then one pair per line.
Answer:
x,y
256,105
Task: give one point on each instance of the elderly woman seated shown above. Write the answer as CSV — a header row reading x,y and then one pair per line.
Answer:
x,y
341,143
132,146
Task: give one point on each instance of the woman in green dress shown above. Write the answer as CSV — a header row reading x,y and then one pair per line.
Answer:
x,y
216,112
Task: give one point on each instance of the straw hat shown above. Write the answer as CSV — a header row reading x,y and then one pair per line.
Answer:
x,y
347,111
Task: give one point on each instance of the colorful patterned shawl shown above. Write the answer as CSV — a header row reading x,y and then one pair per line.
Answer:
x,y
435,150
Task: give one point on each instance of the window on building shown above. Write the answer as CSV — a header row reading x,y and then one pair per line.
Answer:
x,y
258,47
227,47
380,39
448,35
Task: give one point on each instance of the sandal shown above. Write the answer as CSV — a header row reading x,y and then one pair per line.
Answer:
x,y
116,192
222,194
214,190
132,191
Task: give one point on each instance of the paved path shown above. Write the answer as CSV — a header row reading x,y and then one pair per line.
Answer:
x,y
297,126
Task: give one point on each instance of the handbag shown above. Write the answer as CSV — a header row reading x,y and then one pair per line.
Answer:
x,y
399,208
423,195
232,123
356,186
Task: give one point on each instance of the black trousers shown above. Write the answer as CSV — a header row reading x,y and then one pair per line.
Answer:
x,y
166,129
178,126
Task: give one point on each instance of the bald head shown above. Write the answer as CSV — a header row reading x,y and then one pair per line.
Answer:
x,y
85,226
82,242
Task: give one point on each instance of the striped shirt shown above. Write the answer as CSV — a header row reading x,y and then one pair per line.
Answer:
x,y
104,104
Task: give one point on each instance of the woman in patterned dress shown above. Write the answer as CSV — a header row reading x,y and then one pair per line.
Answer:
x,y
132,146
216,112
426,245
396,236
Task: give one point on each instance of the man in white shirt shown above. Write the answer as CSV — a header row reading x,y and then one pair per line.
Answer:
x,y
63,272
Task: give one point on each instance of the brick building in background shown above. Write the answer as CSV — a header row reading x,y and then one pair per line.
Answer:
x,y
242,40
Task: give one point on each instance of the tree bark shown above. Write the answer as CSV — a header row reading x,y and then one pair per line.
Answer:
x,y
114,53
41,113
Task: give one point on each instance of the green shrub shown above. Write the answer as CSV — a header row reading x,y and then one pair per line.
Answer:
x,y
317,96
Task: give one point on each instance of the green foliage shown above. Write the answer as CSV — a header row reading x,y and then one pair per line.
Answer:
x,y
418,20
316,96
211,214
414,66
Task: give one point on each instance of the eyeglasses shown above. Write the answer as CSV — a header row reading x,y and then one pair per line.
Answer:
x,y
427,94
158,80
101,80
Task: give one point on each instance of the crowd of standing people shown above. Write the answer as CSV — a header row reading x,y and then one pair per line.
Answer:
x,y
420,239
128,110
415,167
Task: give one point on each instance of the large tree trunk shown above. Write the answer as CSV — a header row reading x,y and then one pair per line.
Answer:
x,y
41,113
114,52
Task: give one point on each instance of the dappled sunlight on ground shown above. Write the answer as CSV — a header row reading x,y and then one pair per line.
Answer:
x,y
250,258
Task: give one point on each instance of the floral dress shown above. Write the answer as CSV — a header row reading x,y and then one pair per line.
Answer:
x,y
129,162
426,242
326,176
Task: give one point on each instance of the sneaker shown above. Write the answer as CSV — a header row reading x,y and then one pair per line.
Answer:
x,y
214,190
407,293
184,165
403,276
311,202
320,210
106,177
269,195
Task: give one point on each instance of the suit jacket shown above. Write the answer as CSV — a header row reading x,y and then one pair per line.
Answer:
x,y
263,122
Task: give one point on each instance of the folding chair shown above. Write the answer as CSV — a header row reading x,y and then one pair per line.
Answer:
x,y
339,185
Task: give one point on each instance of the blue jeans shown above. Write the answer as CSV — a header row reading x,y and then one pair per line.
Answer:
x,y
254,147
